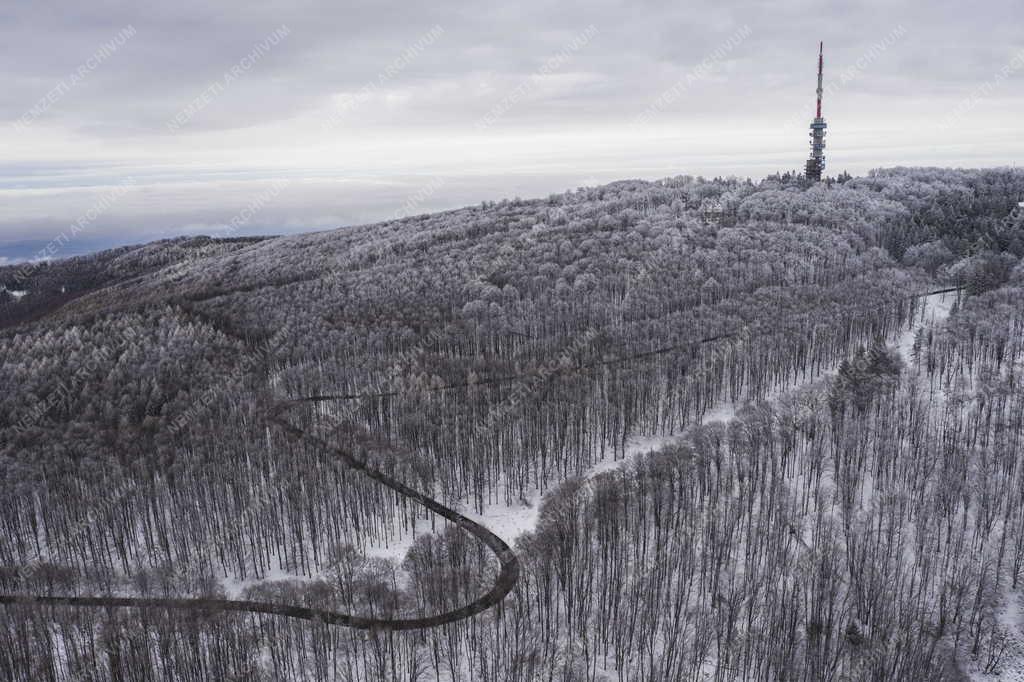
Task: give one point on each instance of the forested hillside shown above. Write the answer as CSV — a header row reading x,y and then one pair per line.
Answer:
x,y
867,526
53,283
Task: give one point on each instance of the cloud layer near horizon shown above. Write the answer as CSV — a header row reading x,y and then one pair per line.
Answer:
x,y
363,104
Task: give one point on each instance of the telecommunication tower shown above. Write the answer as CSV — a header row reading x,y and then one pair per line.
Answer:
x,y
816,164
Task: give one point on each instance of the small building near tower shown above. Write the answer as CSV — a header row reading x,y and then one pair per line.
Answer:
x,y
718,211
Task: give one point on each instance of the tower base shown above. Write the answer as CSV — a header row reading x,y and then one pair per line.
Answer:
x,y
813,170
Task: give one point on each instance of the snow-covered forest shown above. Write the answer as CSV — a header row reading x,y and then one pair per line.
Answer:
x,y
719,422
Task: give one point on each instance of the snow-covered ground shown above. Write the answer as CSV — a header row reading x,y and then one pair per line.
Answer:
x,y
235,588
1011,666
18,295
935,310
509,522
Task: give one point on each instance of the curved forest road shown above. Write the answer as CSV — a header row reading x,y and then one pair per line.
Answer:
x,y
506,579
504,583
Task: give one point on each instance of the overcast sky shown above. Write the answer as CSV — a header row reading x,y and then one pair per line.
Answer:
x,y
124,121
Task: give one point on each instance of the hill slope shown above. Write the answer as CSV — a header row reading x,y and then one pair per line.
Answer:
x,y
137,457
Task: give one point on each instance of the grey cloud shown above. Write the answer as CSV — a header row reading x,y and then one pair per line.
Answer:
x,y
748,108
338,47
